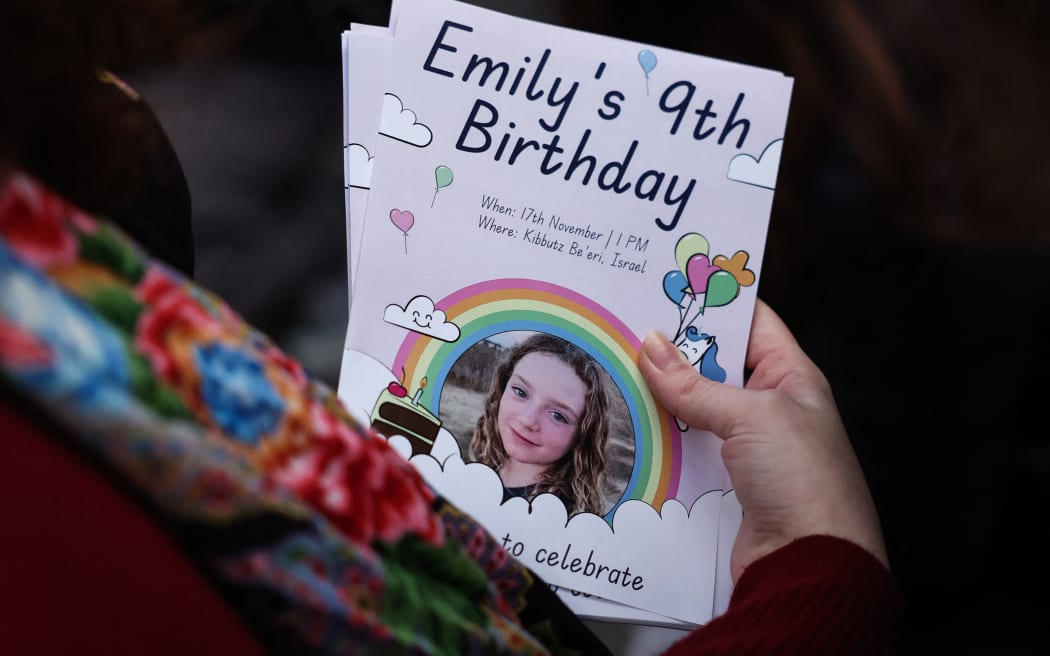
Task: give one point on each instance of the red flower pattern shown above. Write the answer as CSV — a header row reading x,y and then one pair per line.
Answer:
x,y
288,364
34,221
365,488
171,311
22,348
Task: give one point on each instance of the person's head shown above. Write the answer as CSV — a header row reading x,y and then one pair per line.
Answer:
x,y
547,411
56,118
69,120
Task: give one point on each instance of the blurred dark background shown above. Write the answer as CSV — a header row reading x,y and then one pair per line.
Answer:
x,y
909,246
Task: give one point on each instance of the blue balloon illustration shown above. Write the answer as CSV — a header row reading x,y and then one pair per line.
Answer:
x,y
675,285
647,58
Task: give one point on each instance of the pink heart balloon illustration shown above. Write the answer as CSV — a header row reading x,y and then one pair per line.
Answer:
x,y
698,270
403,220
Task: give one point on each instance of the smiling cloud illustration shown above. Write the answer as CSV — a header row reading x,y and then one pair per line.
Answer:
x,y
419,315
761,172
399,123
357,166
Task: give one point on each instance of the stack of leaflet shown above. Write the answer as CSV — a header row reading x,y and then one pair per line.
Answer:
x,y
506,177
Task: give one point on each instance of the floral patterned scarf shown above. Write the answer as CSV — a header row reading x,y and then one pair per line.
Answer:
x,y
313,528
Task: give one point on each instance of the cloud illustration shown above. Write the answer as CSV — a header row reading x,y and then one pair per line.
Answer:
x,y
357,166
535,531
419,315
761,172
399,123
651,542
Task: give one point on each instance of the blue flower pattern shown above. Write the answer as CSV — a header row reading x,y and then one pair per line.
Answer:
x,y
240,398
89,366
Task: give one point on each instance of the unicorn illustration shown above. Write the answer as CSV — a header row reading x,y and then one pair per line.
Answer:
x,y
701,350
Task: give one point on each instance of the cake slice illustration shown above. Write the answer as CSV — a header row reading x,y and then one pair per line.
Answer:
x,y
395,413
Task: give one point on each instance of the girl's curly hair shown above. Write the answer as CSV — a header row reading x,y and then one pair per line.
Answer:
x,y
578,477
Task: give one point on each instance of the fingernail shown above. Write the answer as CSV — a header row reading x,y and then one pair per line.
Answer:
x,y
661,351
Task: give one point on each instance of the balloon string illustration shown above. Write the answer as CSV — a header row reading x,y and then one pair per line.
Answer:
x,y
688,325
683,323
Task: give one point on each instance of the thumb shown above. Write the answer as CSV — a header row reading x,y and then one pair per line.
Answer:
x,y
698,401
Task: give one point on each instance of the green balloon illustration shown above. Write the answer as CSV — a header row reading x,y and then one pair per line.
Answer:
x,y
722,288
443,178
689,245
443,175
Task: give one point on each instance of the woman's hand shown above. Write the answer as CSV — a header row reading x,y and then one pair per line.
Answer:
x,y
786,449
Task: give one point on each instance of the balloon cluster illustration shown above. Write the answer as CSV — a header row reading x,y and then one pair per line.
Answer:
x,y
701,281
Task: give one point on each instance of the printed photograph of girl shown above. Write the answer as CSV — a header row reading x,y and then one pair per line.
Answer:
x,y
544,414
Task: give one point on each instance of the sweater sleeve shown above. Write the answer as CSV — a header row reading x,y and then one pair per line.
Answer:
x,y
817,595
86,570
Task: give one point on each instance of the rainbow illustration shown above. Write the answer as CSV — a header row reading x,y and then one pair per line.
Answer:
x,y
495,306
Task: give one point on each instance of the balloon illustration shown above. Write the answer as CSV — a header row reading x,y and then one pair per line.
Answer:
x,y
675,286
442,178
688,245
736,265
404,222
699,271
722,287
702,281
647,59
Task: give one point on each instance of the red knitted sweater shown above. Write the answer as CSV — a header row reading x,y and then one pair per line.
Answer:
x,y
817,595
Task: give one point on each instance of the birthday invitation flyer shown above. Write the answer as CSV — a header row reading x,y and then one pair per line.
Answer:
x,y
533,201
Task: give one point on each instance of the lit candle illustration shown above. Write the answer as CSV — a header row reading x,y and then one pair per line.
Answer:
x,y
419,392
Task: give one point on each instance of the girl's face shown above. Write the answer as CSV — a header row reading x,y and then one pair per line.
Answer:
x,y
539,412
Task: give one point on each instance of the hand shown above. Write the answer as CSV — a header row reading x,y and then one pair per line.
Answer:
x,y
786,449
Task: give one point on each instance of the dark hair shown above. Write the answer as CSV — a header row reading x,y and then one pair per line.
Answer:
x,y
578,477
57,120
69,121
